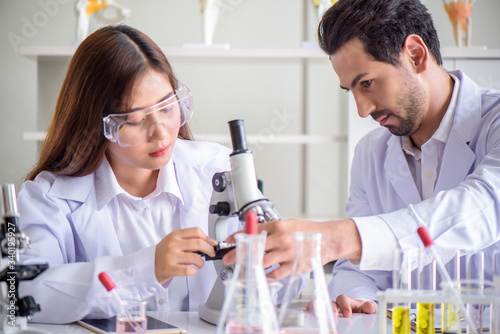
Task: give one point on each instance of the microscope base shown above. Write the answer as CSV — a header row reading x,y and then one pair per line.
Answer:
x,y
208,313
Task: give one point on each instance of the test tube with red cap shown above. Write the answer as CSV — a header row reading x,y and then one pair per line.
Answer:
x,y
429,244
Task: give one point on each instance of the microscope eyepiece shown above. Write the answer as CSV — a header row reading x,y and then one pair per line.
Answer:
x,y
238,138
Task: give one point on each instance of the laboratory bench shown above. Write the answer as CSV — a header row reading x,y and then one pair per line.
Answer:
x,y
356,324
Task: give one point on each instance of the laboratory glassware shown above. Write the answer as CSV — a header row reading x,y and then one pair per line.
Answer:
x,y
404,262
311,310
131,318
248,307
450,311
495,312
474,284
426,282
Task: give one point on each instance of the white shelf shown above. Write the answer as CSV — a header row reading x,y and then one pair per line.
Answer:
x,y
57,52
251,138
470,53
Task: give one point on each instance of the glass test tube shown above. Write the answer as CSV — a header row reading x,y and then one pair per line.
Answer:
x,y
401,280
474,285
495,310
426,281
450,312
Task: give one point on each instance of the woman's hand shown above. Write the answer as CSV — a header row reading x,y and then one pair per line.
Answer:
x,y
176,254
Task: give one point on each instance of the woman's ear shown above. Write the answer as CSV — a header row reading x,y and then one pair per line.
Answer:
x,y
416,52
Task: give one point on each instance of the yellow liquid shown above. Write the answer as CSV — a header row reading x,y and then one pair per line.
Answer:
x,y
401,320
449,316
425,318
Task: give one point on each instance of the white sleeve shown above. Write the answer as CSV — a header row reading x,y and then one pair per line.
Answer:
x,y
72,291
375,232
69,289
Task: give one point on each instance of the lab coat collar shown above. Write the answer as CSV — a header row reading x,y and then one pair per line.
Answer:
x,y
467,117
468,109
399,173
167,181
107,187
72,188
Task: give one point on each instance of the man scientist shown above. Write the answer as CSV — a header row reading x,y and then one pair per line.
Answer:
x,y
438,148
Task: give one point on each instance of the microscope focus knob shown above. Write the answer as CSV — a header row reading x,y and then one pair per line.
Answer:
x,y
226,273
219,182
221,208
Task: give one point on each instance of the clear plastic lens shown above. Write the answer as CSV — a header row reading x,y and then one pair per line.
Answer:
x,y
138,126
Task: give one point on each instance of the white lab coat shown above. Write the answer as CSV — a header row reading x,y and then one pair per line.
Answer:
x,y
465,210
78,241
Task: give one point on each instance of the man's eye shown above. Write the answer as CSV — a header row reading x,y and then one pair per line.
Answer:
x,y
366,83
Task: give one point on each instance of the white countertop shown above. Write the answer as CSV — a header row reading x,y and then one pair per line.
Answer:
x,y
357,324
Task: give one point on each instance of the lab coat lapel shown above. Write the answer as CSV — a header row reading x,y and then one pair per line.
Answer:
x,y
467,116
454,171
92,229
95,228
398,172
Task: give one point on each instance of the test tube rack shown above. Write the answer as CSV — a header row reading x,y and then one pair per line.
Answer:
x,y
487,296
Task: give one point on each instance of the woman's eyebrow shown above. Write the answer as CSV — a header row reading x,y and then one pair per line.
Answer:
x,y
166,97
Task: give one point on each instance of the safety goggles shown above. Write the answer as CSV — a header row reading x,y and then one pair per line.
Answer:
x,y
138,126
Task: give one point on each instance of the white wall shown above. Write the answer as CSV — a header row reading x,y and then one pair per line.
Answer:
x,y
277,83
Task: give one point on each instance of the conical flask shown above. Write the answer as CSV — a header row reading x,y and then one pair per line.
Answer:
x,y
311,311
248,307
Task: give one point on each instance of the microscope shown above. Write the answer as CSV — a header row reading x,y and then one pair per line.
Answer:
x,y
235,193
15,311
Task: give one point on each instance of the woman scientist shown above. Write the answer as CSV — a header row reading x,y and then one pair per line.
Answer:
x,y
120,186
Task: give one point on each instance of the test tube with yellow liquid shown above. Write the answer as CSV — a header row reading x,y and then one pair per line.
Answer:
x,y
450,322
426,281
450,312
404,262
401,319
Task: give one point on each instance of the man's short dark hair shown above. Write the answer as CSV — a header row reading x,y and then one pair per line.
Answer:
x,y
382,26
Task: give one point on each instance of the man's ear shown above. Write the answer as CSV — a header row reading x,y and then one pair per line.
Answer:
x,y
415,51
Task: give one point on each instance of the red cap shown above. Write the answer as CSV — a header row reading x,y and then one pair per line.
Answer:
x,y
424,236
251,222
107,281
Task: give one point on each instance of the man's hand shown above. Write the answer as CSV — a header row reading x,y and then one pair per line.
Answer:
x,y
340,239
347,306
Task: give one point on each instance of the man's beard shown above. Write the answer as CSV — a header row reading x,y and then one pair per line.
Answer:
x,y
411,99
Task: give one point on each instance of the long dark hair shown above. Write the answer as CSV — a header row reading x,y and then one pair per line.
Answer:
x,y
382,26
98,82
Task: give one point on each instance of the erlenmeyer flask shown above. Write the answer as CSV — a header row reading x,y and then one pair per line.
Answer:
x,y
311,311
248,307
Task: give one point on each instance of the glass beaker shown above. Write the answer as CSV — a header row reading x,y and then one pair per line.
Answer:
x,y
311,311
132,317
248,307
